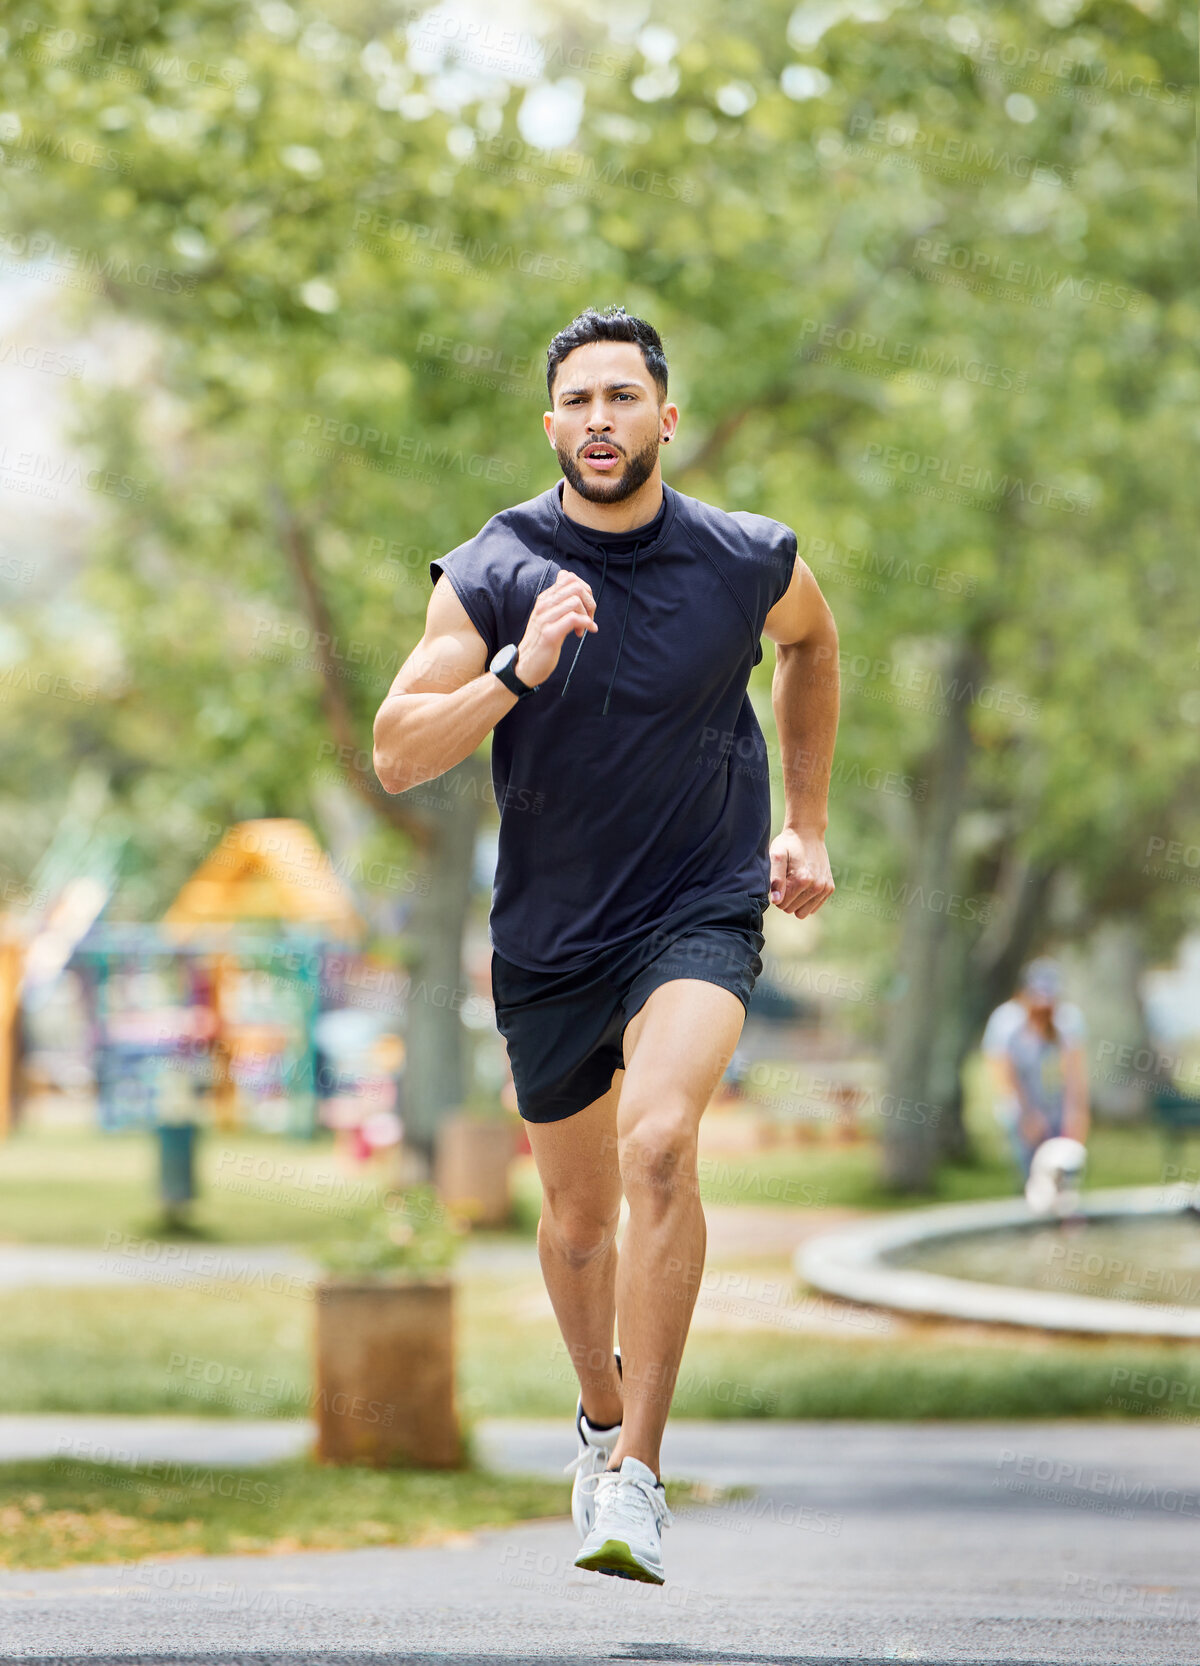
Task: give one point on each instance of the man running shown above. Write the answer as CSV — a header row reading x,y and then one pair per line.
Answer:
x,y
635,859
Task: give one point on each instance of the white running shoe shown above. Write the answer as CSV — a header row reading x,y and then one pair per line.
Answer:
x,y
631,1512
595,1449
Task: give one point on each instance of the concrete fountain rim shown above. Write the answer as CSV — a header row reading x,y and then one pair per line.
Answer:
x,y
847,1262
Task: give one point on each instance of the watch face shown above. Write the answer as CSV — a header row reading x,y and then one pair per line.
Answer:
x,y
504,657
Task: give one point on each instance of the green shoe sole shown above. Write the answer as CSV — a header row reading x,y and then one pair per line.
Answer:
x,y
615,1557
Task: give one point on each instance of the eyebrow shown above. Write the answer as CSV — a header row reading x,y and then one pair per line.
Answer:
x,y
609,387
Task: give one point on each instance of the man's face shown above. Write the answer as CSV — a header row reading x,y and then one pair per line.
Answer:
x,y
605,401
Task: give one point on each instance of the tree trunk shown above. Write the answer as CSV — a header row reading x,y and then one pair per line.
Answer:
x,y
910,1133
436,1062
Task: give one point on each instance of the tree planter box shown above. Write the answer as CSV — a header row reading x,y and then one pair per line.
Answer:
x,y
385,1373
471,1172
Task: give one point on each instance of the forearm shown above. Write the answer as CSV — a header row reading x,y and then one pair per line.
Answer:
x,y
805,698
418,737
1076,1111
1076,1122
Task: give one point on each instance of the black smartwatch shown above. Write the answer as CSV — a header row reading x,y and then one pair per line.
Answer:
x,y
504,665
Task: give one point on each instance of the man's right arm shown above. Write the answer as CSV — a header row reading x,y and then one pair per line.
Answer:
x,y
444,700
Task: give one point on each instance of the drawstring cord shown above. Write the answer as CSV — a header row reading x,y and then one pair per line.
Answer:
x,y
584,637
586,634
621,639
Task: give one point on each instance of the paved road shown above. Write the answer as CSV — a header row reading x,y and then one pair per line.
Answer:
x,y
934,1543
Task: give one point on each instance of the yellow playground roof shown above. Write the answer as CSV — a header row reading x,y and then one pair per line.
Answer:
x,y
269,869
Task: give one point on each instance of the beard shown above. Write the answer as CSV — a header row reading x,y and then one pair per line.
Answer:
x,y
602,488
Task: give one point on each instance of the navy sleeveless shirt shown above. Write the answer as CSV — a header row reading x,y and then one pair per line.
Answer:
x,y
635,781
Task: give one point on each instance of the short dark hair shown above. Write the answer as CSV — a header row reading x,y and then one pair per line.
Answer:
x,y
613,324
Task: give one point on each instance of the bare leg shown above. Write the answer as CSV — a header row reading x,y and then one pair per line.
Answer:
x,y
581,1205
677,1047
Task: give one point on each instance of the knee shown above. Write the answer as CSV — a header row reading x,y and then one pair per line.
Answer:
x,y
657,1153
576,1235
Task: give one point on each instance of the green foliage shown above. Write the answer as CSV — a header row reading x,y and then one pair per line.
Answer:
x,y
419,1236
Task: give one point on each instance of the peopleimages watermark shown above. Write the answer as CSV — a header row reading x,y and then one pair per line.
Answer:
x,y
923,687
1081,1485
1059,71
240,1388
1128,1065
400,563
436,246
49,361
331,436
1168,1282
867,569
183,1265
39,474
527,1568
764,1302
39,256
951,155
287,641
28,148
1147,1602
875,893
1016,280
906,358
1172,859
184,1478
142,1581
20,679
942,477
1151,1394
359,761
309,865
511,157
481,365
483,43
746,754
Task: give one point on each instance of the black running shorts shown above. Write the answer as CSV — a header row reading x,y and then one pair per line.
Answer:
x,y
564,1030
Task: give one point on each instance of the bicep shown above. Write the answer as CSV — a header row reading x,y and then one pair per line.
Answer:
x,y
801,612
450,653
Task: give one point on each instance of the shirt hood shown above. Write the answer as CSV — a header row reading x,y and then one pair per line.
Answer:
x,y
566,534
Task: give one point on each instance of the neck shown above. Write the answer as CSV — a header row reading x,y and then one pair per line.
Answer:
x,y
631,512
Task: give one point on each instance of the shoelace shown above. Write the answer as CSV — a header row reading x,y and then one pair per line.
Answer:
x,y
588,1452
615,1496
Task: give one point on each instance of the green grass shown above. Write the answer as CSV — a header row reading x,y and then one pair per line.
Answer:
x,y
181,1352
58,1511
79,1186
826,1174
847,1176
245,1350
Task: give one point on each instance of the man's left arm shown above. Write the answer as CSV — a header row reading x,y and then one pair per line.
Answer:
x,y
805,698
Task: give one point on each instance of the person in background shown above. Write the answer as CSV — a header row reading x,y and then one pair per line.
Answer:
x,y
1033,1045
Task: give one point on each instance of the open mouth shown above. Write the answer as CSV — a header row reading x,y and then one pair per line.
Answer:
x,y
601,456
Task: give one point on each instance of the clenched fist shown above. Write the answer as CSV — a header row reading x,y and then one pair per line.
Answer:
x,y
568,605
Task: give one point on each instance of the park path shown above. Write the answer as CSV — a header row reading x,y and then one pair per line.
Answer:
x,y
735,1231
973,1544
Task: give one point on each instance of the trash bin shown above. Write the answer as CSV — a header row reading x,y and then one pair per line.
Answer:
x,y
176,1158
